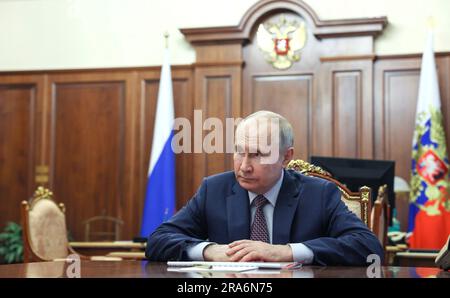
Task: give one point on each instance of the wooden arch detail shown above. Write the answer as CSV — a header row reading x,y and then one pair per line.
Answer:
x,y
323,28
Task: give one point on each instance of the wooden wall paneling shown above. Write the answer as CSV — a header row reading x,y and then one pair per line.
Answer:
x,y
217,94
20,128
182,80
343,108
395,96
347,109
221,54
350,91
322,114
183,101
92,133
289,95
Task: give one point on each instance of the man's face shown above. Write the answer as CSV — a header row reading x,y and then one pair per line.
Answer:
x,y
257,159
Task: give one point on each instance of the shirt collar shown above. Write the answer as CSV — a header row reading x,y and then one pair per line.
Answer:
x,y
270,195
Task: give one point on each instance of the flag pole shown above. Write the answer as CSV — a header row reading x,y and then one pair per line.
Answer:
x,y
431,24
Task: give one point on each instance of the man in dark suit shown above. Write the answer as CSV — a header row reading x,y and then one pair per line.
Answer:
x,y
262,212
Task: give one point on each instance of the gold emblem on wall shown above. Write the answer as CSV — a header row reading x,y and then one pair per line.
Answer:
x,y
281,42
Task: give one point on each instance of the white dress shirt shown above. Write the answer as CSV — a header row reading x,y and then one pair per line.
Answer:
x,y
300,252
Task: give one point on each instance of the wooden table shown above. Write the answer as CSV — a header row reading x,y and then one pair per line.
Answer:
x,y
103,248
144,269
415,259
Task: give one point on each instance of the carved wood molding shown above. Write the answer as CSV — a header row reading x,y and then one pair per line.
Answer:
x,y
215,64
347,58
323,28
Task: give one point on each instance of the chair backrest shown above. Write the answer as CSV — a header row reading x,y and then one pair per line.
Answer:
x,y
357,202
104,221
44,228
379,216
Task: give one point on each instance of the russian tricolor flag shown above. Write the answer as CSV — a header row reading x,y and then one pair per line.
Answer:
x,y
429,211
160,194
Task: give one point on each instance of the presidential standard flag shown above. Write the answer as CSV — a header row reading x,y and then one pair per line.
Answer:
x,y
160,193
429,209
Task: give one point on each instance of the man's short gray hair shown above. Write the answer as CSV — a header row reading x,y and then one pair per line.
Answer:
x,y
285,129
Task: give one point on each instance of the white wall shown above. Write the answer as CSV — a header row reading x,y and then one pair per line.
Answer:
x,y
61,34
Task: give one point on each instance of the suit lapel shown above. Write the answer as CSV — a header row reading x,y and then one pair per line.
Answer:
x,y
238,213
285,209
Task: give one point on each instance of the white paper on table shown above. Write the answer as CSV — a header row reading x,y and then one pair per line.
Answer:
x,y
212,269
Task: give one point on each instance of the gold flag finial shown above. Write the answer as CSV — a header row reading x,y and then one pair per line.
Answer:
x,y
166,38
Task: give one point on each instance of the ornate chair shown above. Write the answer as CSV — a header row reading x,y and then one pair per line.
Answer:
x,y
44,229
92,235
357,202
379,216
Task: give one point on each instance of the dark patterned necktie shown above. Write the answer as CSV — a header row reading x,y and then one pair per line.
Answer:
x,y
259,230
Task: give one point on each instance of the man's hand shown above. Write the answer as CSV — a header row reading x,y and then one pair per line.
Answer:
x,y
248,251
216,253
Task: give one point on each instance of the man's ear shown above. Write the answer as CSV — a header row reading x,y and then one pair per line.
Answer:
x,y
288,155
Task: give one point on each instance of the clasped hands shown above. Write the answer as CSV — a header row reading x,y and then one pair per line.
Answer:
x,y
248,251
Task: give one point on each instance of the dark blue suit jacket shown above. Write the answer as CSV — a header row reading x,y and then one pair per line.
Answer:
x,y
308,210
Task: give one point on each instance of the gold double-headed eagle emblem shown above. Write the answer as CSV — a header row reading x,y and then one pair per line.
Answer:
x,y
281,42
